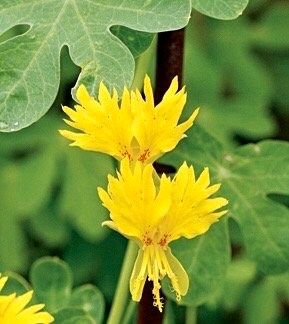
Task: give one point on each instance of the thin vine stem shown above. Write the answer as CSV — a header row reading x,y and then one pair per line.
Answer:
x,y
129,312
142,65
122,291
191,315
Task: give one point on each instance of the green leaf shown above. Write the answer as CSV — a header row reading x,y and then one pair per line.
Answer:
x,y
52,282
257,296
279,66
256,5
137,42
26,178
85,171
83,258
15,284
261,304
21,176
88,260
229,9
72,316
248,175
239,86
48,226
90,300
169,315
281,284
271,32
240,274
13,247
38,157
29,63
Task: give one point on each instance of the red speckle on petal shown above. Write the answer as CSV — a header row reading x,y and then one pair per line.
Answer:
x,y
164,240
147,240
126,153
144,156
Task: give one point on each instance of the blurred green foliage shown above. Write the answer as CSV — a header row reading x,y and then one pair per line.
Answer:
x,y
52,282
238,72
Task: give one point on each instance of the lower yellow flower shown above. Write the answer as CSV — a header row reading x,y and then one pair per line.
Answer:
x,y
13,311
154,217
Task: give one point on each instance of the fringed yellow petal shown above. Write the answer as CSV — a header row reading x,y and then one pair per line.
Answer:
x,y
42,317
70,113
103,126
129,129
204,179
82,95
32,315
105,198
155,211
209,205
68,134
183,177
13,311
192,203
155,141
148,91
163,200
172,89
125,102
182,128
19,303
5,301
212,189
202,225
103,94
149,193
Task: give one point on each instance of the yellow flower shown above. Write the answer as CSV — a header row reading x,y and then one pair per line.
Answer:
x,y
13,311
180,207
135,128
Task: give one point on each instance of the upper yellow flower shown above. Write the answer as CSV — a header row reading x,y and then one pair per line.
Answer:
x,y
154,217
136,128
13,311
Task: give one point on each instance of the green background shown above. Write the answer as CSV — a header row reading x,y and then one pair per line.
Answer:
x,y
236,70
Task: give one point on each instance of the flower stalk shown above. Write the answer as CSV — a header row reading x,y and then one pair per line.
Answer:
x,y
122,292
191,315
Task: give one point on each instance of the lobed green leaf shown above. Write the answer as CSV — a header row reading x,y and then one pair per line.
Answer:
x,y
29,63
228,9
51,279
73,316
248,175
39,157
90,300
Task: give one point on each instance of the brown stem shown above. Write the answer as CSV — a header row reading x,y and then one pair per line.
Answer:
x,y
170,52
169,64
